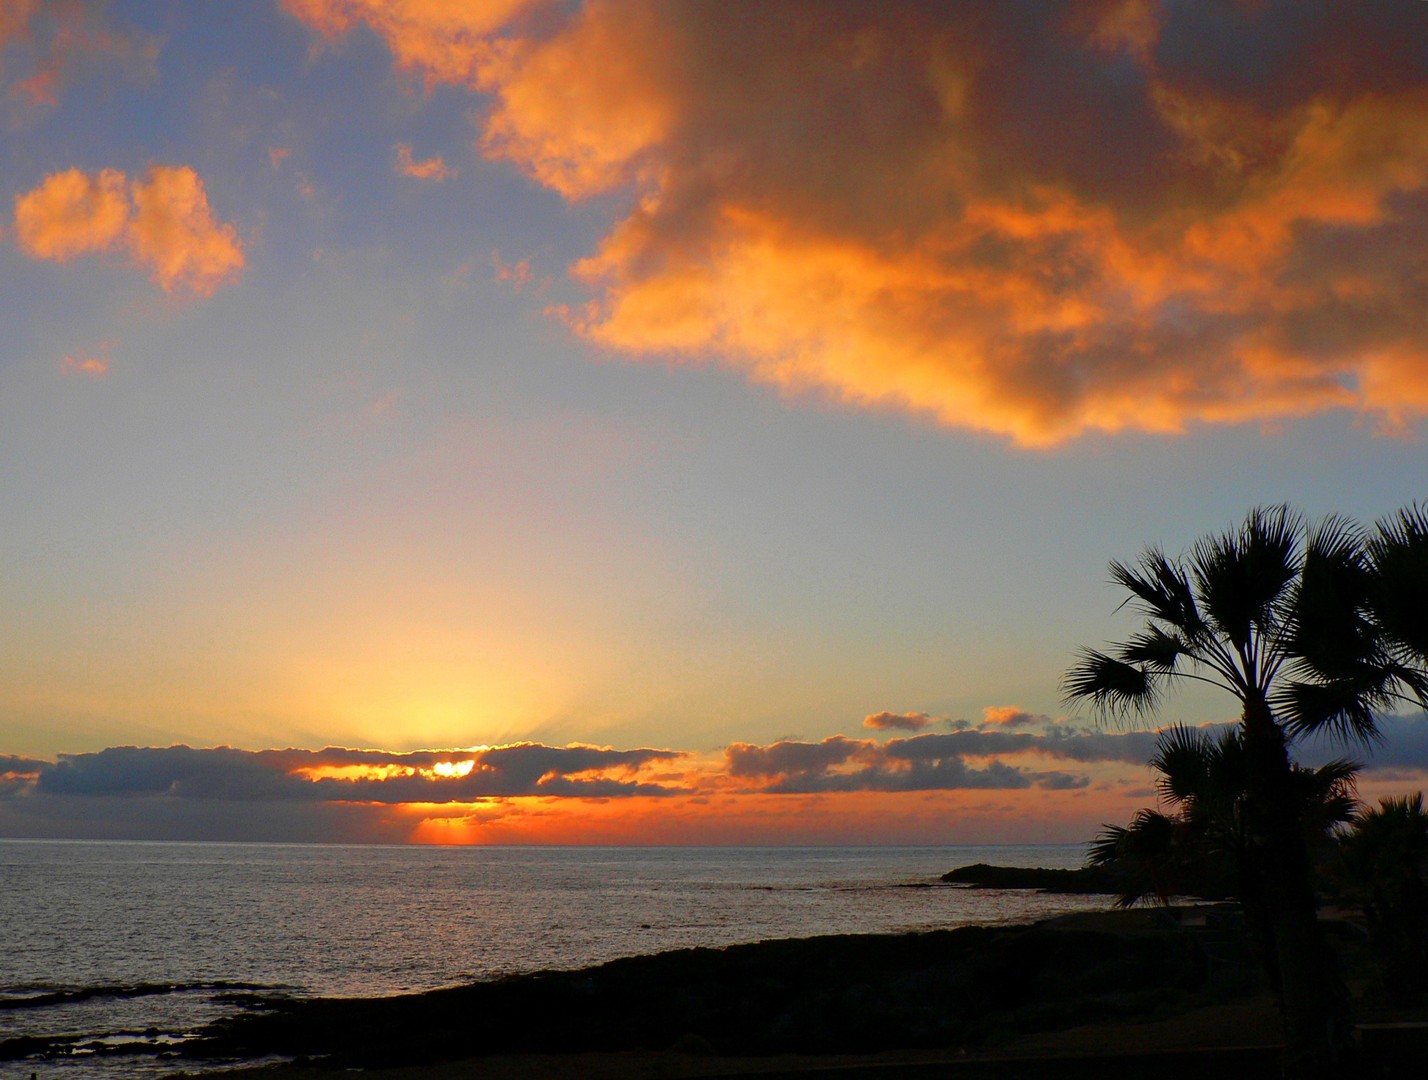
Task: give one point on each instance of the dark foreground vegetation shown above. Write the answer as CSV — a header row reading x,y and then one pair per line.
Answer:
x,y
1313,630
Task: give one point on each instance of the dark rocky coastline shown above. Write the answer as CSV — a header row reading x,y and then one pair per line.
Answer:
x,y
962,989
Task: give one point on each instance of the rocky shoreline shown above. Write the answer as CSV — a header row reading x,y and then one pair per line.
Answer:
x,y
962,990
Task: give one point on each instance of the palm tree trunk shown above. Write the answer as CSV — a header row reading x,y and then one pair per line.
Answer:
x,y
1318,1031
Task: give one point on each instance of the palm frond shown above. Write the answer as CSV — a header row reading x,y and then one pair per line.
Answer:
x,y
1327,795
1345,708
1145,853
1155,649
1399,555
1181,760
1241,576
1113,687
1108,846
1164,591
1329,630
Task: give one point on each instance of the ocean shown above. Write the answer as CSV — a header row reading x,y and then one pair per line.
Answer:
x,y
127,948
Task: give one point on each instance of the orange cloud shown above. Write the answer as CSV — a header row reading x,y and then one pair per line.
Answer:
x,y
164,222
71,214
1008,716
1037,225
518,274
440,41
432,168
91,362
173,232
904,721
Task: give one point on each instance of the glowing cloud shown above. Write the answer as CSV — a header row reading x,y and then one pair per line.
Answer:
x,y
173,232
1009,716
440,41
164,222
518,275
432,168
93,363
71,214
903,721
1038,223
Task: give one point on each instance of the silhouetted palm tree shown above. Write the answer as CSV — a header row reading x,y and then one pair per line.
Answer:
x,y
1286,619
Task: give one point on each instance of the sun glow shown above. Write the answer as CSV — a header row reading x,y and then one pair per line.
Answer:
x,y
451,769
355,772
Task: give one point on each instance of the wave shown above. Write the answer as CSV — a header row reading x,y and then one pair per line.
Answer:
x,y
39,997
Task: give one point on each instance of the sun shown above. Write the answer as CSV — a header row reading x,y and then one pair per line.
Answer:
x,y
451,769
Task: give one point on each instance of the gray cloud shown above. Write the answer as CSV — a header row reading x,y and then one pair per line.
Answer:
x,y
1403,747
10,765
17,774
746,759
922,762
223,773
938,774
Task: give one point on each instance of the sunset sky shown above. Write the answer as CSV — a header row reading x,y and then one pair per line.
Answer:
x,y
655,421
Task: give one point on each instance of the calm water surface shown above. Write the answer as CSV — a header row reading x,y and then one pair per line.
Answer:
x,y
126,942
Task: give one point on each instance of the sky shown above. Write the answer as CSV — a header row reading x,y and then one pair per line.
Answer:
x,y
657,421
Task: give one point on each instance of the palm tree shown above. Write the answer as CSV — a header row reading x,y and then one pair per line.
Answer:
x,y
1282,616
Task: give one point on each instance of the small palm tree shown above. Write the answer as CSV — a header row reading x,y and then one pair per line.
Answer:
x,y
1282,616
1150,855
1202,847
1383,868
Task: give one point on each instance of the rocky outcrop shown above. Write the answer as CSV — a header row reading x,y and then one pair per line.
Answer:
x,y
1085,879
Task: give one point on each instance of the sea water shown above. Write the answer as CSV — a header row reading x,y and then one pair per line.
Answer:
x,y
142,943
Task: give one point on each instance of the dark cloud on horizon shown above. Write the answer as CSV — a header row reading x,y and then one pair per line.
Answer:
x,y
1403,746
223,773
12,765
923,762
940,761
340,794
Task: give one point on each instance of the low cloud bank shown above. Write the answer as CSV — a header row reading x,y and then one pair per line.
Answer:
x,y
344,794
342,775
934,762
